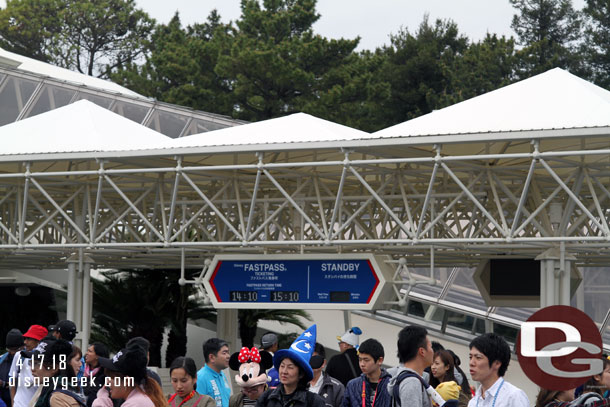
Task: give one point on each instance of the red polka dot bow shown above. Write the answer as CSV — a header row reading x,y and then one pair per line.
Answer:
x,y
246,355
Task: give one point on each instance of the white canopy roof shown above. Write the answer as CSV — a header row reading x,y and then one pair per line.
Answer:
x,y
42,68
294,128
552,100
79,127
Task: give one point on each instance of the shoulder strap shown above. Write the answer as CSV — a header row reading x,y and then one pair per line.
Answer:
x,y
396,389
351,365
195,403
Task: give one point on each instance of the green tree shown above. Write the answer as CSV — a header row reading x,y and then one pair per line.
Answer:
x,y
92,37
548,31
248,321
267,64
179,66
596,47
485,66
351,93
143,303
415,67
277,65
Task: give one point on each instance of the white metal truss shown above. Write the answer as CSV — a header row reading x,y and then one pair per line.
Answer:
x,y
404,200
434,206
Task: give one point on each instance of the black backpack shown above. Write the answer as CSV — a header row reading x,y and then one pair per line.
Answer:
x,y
395,396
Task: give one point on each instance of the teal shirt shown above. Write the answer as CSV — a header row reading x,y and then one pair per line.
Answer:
x,y
214,385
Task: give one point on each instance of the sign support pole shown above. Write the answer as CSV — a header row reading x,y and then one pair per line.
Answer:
x,y
555,274
347,320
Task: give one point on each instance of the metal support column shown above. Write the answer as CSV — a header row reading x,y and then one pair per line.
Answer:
x,y
555,273
226,328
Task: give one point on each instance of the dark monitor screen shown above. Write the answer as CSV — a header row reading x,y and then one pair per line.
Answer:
x,y
514,277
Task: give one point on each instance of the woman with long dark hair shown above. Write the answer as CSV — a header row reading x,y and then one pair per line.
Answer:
x,y
442,369
94,373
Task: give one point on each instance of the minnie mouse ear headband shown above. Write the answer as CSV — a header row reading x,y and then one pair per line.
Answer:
x,y
252,366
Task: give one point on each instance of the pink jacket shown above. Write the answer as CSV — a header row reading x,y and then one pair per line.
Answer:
x,y
136,398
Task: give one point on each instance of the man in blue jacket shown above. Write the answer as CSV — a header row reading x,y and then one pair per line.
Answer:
x,y
370,389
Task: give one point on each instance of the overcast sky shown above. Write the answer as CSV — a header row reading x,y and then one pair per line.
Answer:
x,y
372,20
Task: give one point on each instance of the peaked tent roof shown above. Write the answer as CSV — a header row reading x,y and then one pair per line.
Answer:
x,y
552,100
294,128
79,127
20,62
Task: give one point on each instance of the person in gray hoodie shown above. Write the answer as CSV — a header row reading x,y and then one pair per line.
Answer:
x,y
415,354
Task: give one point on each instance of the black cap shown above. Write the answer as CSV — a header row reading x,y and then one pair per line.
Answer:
x,y
66,328
139,341
130,361
316,361
14,338
49,347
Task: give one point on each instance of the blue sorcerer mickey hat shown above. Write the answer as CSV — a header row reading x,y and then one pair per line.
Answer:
x,y
300,352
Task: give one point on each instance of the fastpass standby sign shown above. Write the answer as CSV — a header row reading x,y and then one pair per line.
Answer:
x,y
349,281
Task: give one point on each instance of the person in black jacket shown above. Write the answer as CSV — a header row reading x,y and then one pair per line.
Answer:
x,y
329,388
345,367
295,375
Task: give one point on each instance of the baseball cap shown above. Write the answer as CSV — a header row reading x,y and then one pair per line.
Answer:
x,y
268,340
49,347
130,361
36,332
139,341
66,328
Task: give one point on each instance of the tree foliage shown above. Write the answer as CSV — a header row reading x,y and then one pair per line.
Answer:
x,y
596,46
248,321
144,303
415,67
549,31
91,37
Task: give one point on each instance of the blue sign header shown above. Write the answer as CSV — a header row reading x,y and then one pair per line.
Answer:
x,y
347,281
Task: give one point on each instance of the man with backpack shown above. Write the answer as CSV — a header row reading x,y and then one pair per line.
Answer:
x,y
408,388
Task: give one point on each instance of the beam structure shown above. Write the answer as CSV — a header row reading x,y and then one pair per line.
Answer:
x,y
403,201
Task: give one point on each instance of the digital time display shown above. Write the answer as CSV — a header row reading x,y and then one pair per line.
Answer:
x,y
284,296
243,296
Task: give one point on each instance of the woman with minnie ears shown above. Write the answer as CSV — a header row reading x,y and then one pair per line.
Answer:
x,y
183,373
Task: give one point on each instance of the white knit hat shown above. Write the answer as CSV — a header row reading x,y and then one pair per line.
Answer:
x,y
351,336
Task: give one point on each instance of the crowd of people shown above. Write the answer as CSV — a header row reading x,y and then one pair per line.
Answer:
x,y
43,368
